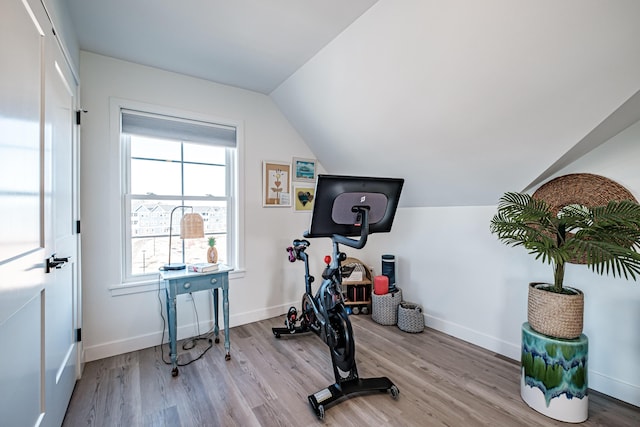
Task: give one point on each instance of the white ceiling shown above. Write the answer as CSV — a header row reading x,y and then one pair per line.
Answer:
x,y
464,99
252,44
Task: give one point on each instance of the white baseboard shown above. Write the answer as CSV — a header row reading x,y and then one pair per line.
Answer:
x,y
613,387
114,348
262,314
483,340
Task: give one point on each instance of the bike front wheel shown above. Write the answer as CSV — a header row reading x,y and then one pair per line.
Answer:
x,y
342,344
308,318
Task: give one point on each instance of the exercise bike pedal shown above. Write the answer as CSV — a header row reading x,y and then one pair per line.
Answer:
x,y
292,318
278,332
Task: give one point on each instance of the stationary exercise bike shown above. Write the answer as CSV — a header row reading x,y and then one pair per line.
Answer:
x,y
324,313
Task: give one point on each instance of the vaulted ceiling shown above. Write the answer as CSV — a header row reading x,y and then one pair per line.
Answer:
x,y
464,99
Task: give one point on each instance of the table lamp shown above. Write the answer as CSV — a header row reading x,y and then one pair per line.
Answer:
x,y
191,227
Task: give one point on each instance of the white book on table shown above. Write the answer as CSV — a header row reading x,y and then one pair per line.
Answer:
x,y
203,267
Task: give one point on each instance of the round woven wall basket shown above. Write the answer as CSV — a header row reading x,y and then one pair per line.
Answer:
x,y
581,188
554,314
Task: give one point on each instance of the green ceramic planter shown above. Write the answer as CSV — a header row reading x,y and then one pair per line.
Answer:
x,y
554,375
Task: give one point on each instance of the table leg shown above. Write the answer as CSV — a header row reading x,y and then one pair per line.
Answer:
x,y
172,323
216,328
225,312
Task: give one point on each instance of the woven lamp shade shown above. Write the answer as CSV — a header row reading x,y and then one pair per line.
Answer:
x,y
191,226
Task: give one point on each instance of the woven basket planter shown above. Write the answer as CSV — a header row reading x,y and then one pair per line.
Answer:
x,y
553,314
384,308
410,317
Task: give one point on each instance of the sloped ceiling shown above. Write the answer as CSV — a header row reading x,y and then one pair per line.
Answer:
x,y
464,99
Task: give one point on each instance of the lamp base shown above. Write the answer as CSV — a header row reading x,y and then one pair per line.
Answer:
x,y
174,266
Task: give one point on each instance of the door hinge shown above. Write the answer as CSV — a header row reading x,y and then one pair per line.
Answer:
x,y
79,116
78,333
78,227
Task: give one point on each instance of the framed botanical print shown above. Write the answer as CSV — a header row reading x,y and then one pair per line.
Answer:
x,y
303,198
276,184
304,169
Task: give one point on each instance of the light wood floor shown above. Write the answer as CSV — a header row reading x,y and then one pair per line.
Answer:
x,y
443,382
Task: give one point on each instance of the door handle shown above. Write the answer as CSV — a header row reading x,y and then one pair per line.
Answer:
x,y
54,262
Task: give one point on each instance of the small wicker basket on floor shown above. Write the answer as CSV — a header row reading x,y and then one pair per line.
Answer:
x,y
385,307
410,317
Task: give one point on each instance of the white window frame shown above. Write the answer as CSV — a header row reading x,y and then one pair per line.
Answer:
x,y
235,175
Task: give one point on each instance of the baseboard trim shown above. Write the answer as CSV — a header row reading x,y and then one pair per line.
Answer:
x,y
488,342
116,347
613,387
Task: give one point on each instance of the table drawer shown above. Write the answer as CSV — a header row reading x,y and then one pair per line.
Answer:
x,y
195,283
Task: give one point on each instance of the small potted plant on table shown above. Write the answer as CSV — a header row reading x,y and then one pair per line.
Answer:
x,y
212,252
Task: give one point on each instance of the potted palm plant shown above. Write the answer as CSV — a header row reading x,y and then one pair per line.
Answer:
x,y
605,238
577,218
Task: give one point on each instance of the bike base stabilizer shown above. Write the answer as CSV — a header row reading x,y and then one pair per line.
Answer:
x,y
320,399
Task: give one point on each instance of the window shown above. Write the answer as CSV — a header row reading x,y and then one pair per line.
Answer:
x,y
170,162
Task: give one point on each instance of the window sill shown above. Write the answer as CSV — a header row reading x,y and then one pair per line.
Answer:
x,y
154,285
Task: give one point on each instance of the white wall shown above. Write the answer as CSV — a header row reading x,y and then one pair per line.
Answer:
x,y
115,324
475,288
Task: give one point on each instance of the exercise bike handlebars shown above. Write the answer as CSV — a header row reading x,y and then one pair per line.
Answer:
x,y
297,250
363,214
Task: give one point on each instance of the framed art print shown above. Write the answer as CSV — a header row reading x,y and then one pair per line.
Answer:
x,y
303,198
276,184
304,169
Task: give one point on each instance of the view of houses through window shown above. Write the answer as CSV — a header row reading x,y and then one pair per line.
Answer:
x,y
150,235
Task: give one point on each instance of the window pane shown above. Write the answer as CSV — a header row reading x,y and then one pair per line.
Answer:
x,y
149,254
155,177
203,153
153,148
204,180
150,220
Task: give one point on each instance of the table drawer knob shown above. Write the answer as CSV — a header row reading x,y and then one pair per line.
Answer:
x,y
186,285
214,281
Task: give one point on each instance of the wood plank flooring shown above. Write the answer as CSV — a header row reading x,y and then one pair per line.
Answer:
x,y
443,382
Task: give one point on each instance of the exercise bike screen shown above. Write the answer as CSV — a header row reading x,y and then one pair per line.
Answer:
x,y
335,199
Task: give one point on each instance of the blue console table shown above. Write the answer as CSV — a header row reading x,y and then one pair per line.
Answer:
x,y
178,282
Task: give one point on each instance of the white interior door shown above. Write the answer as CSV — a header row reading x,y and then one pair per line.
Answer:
x,y
61,281
38,206
22,253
